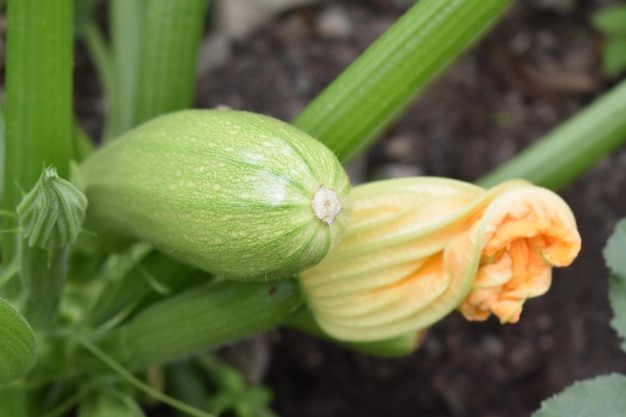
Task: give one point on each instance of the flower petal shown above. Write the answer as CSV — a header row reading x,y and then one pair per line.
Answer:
x,y
526,231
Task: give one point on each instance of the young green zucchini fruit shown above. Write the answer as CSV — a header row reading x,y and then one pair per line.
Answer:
x,y
233,193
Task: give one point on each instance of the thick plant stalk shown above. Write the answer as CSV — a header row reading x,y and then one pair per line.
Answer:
x,y
126,19
39,125
368,96
167,68
199,319
44,295
572,148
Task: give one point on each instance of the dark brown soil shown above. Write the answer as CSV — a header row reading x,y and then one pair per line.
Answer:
x,y
535,69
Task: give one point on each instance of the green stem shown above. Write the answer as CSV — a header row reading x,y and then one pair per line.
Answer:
x,y
130,378
572,148
199,319
126,20
368,96
167,69
39,124
43,277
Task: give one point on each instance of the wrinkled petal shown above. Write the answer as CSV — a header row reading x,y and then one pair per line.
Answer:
x,y
526,232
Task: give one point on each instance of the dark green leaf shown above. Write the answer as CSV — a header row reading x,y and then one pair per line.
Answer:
x,y
18,346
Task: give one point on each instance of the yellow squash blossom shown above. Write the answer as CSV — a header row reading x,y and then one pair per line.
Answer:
x,y
418,248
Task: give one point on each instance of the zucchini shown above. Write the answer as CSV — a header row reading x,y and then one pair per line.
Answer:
x,y
236,194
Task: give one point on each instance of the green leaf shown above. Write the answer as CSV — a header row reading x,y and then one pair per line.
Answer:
x,y
614,56
599,397
617,297
18,346
615,258
615,250
611,20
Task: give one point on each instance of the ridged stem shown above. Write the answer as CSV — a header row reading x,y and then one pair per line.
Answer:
x,y
39,125
572,148
43,276
376,88
126,20
199,319
167,68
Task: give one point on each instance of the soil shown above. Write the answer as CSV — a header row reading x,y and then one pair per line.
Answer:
x,y
536,68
